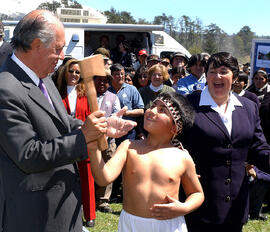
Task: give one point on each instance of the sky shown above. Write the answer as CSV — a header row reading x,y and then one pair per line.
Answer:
x,y
229,15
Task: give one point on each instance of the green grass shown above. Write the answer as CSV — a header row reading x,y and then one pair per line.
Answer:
x,y
107,222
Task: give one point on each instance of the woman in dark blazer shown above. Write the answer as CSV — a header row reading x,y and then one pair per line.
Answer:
x,y
226,134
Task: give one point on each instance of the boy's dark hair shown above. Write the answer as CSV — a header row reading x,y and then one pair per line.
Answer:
x,y
196,58
224,59
184,107
116,67
243,77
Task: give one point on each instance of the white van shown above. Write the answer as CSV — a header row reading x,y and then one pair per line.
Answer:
x,y
149,37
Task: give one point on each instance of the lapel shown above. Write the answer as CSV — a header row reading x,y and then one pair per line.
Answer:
x,y
37,96
57,101
239,115
214,117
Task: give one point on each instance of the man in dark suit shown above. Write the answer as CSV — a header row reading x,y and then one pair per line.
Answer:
x,y
40,143
5,47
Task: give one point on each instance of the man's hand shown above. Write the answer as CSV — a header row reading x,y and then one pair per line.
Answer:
x,y
94,126
117,127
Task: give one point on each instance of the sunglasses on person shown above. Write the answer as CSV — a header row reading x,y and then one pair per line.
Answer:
x,y
259,78
76,72
142,76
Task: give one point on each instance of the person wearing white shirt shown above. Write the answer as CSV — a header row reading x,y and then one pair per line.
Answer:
x,y
226,134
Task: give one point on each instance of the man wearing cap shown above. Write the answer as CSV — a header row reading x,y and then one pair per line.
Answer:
x,y
196,80
142,56
152,60
179,59
5,47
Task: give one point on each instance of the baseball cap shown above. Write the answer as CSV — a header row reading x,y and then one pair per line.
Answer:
x,y
153,57
176,54
143,52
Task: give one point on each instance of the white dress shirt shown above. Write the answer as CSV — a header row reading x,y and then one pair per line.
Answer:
x,y
225,114
72,98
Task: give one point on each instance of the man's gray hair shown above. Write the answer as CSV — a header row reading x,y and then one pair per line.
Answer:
x,y
29,28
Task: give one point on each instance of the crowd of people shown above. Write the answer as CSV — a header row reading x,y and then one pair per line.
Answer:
x,y
196,143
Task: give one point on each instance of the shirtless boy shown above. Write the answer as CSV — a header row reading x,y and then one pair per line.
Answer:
x,y
153,169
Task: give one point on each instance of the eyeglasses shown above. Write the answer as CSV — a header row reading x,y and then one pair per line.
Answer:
x,y
142,76
165,63
76,72
259,78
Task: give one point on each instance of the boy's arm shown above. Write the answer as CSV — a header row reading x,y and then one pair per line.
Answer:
x,y
192,187
193,191
105,173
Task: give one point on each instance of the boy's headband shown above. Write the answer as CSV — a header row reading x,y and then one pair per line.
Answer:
x,y
175,116
173,112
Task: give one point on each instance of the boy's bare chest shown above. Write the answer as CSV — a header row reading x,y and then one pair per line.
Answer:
x,y
152,166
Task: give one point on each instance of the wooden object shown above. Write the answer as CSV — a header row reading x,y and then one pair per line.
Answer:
x,y
93,66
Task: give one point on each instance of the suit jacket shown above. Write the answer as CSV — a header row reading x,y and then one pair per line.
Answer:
x,y
5,50
265,116
220,160
38,148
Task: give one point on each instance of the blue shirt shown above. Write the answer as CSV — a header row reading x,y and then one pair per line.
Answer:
x,y
129,96
189,84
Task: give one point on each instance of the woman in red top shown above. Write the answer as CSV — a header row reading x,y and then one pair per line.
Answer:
x,y
72,91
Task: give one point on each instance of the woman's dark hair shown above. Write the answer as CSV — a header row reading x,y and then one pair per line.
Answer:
x,y
224,59
196,58
184,108
142,70
62,81
261,71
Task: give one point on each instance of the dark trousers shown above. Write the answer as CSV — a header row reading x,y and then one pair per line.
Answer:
x,y
258,190
209,227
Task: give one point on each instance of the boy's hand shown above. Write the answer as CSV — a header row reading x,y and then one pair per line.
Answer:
x,y
172,209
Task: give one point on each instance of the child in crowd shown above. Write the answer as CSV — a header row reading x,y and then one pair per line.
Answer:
x,y
153,169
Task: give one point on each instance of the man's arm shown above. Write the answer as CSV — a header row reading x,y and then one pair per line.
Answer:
x,y
134,113
106,173
137,104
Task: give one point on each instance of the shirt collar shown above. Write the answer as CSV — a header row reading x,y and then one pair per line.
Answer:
x,y
28,71
207,100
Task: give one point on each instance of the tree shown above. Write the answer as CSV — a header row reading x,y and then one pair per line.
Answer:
x,y
238,46
246,35
50,6
143,21
190,33
214,39
126,17
114,16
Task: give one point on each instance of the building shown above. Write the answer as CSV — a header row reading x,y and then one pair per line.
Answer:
x,y
85,15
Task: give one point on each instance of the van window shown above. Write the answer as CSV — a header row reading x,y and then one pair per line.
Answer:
x,y
158,39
